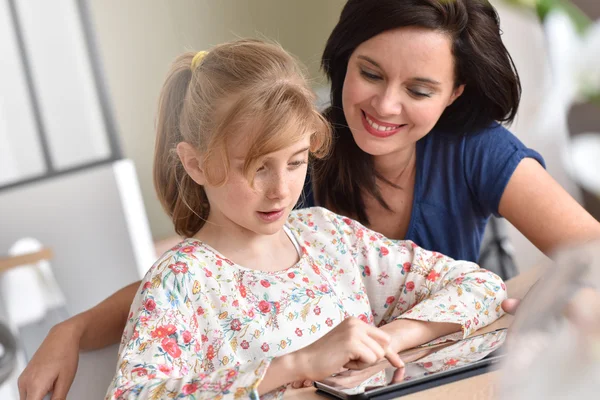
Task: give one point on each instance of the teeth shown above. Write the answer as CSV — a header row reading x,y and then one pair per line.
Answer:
x,y
381,128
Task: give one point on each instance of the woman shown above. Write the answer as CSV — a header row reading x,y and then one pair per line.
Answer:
x,y
417,88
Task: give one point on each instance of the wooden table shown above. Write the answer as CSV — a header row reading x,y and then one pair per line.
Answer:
x,y
478,387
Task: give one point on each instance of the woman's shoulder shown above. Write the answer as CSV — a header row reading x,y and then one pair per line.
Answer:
x,y
493,134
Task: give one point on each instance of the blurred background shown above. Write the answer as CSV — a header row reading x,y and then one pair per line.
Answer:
x,y
79,83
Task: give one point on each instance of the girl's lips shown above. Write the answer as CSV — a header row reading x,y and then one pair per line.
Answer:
x,y
270,216
378,133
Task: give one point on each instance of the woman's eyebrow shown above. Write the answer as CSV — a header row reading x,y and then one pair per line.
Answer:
x,y
417,79
369,60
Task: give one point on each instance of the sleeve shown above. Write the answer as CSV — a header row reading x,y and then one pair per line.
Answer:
x,y
490,158
163,354
403,280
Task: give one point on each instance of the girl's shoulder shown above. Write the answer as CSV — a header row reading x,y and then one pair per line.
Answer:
x,y
314,217
179,257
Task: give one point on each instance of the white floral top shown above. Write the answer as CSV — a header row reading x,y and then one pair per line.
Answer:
x,y
204,327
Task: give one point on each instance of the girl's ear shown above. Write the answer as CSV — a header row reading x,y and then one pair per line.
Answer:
x,y
191,160
456,94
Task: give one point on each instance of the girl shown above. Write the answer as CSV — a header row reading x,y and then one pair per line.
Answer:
x,y
257,295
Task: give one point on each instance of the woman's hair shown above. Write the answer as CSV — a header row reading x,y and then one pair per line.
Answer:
x,y
244,87
482,63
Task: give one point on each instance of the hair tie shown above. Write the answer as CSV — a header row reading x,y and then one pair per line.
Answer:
x,y
198,59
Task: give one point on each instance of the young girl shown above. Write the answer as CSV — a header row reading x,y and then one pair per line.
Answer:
x,y
258,295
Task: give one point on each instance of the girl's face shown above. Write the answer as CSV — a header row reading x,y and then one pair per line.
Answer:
x,y
264,207
396,88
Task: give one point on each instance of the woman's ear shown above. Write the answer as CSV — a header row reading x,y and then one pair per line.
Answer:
x,y
456,94
191,160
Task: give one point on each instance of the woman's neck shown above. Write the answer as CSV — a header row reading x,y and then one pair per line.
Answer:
x,y
397,166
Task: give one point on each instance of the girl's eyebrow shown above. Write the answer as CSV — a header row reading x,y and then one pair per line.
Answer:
x,y
243,158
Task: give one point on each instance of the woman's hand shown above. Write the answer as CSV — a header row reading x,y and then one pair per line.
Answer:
x,y
510,306
353,344
53,366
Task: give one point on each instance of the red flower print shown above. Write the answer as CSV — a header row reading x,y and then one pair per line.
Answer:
x,y
140,371
210,352
367,270
150,305
348,221
277,307
200,311
406,266
383,251
207,273
147,285
219,263
197,347
223,298
265,283
480,281
244,345
360,233
235,303
305,279
187,337
188,249
451,361
432,277
265,347
163,331
324,288
316,269
317,310
503,286
264,306
459,280
136,334
179,267
428,364
251,314
363,318
467,324
189,388
298,332
204,338
414,245
410,286
372,238
170,346
165,369
243,291
291,275
390,300
144,320
476,321
236,325
311,224
329,322
310,293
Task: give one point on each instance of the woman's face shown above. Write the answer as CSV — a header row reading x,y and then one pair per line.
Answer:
x,y
396,88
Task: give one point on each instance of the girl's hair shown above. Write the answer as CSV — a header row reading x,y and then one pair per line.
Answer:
x,y
244,87
492,87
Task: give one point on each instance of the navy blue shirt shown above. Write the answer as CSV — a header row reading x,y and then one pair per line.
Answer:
x,y
458,184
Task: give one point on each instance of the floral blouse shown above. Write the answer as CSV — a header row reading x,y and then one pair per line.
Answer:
x,y
204,327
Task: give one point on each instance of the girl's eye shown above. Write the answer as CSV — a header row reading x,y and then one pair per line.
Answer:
x,y
369,75
417,93
296,164
261,168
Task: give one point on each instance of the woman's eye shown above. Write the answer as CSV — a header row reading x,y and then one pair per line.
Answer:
x,y
370,76
417,93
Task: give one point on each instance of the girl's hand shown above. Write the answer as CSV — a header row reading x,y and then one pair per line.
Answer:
x,y
353,344
53,366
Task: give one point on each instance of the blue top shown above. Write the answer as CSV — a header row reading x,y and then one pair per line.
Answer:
x,y
458,184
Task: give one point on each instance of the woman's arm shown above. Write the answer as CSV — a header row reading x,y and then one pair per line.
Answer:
x,y
53,366
543,211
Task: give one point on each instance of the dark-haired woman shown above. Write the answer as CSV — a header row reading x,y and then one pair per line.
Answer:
x,y
418,91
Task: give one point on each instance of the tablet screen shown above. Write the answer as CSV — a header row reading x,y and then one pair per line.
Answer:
x,y
425,363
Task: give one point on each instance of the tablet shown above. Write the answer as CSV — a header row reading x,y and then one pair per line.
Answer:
x,y
425,367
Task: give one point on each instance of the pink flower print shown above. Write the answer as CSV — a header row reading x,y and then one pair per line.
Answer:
x,y
187,337
311,224
410,286
170,346
223,298
136,335
265,283
265,347
187,249
459,280
219,263
363,318
179,267
291,275
197,347
329,322
210,352
150,305
163,331
451,362
310,293
348,221
383,251
251,314
165,369
305,279
316,269
243,291
190,388
317,310
147,285
236,325
264,306
428,364
432,277
235,303
406,266
204,338
277,307
298,332
476,321
324,288
503,286
200,311
244,345
360,233
207,272
367,271
390,300
372,238
140,371
480,281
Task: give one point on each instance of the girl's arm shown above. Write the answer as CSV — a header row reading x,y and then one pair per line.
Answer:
x,y
543,211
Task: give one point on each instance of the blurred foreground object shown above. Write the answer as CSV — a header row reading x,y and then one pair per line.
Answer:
x,y
554,344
